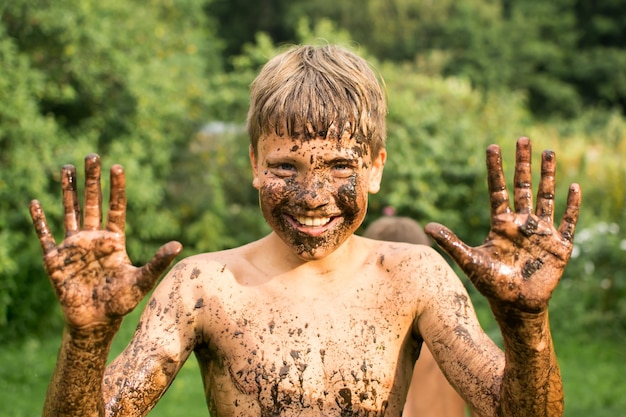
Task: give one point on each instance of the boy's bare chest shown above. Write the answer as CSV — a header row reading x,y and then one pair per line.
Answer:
x,y
328,356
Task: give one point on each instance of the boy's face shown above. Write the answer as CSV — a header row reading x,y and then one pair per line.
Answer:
x,y
313,192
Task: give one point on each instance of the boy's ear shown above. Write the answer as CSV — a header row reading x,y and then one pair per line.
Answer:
x,y
376,174
255,168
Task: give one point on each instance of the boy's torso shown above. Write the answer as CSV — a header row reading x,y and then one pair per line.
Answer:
x,y
344,347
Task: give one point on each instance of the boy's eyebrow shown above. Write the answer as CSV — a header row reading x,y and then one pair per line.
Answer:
x,y
270,159
352,160
347,159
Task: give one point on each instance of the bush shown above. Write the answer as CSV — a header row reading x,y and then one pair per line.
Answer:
x,y
592,294
78,84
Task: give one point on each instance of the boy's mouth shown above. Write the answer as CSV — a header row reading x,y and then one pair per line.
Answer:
x,y
312,221
312,226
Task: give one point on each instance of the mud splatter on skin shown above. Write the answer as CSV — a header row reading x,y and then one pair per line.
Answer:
x,y
288,199
540,372
195,273
344,401
361,149
282,198
530,268
281,378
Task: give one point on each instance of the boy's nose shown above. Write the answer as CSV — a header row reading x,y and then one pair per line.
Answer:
x,y
315,193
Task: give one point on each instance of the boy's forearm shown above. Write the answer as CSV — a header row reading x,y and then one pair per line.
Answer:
x,y
531,385
76,385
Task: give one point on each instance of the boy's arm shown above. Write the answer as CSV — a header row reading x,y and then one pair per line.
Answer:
x,y
167,333
517,269
96,286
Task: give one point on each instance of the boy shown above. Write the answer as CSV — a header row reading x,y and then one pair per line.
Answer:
x,y
430,394
311,320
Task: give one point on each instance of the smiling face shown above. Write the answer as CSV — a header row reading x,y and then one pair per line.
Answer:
x,y
313,192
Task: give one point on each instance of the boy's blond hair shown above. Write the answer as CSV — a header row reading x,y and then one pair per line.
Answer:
x,y
318,91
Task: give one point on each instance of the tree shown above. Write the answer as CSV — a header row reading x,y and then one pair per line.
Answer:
x,y
563,54
124,79
598,62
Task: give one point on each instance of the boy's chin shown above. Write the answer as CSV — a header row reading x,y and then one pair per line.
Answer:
x,y
313,255
313,249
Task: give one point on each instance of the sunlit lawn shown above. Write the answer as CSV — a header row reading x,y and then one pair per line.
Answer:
x,y
26,368
593,373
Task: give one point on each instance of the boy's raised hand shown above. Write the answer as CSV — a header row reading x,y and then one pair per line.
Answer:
x,y
90,271
524,255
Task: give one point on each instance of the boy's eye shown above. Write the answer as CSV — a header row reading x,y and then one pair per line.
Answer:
x,y
343,169
283,169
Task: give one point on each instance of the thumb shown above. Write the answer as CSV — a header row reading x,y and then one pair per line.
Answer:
x,y
163,258
460,252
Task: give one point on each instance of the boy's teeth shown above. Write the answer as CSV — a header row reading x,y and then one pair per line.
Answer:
x,y
313,221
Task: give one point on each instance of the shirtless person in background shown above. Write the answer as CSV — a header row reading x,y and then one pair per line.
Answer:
x,y
311,320
430,394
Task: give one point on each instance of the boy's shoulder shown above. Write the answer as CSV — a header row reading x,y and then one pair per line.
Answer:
x,y
392,262
403,250
211,265
227,266
414,262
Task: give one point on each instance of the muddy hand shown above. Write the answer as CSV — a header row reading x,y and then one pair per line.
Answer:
x,y
90,270
524,255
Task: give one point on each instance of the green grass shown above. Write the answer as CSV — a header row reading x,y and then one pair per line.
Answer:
x,y
24,372
593,372
25,369
593,376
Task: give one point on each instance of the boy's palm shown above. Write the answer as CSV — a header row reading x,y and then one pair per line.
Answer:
x,y
90,270
524,255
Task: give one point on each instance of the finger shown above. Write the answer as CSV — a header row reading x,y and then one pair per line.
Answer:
x,y
523,200
498,196
545,193
570,217
70,200
41,227
93,193
116,217
151,271
459,251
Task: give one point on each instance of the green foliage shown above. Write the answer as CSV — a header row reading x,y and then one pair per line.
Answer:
x,y
594,288
25,161
239,21
563,54
438,130
123,79
142,84
219,206
592,371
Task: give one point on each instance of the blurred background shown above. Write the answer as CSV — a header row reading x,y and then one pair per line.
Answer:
x,y
161,86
